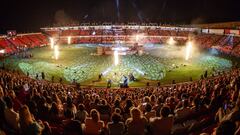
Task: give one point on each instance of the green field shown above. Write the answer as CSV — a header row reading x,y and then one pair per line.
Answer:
x,y
76,62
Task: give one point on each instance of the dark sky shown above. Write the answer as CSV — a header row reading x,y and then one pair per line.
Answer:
x,y
30,15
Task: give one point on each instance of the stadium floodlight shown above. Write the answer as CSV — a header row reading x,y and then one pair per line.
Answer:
x,y
52,43
56,52
2,51
188,50
106,71
69,40
116,58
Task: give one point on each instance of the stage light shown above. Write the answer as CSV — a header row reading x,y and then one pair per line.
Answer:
x,y
52,43
56,52
171,41
2,51
69,40
106,71
139,71
116,58
188,50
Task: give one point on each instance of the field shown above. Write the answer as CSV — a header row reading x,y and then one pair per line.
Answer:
x,y
77,62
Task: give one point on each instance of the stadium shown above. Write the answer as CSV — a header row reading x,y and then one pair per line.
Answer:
x,y
121,79
147,55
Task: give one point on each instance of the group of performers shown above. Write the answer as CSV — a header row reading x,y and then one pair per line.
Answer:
x,y
123,82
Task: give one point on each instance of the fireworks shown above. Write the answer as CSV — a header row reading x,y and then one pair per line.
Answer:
x,y
188,50
56,52
116,58
171,41
2,51
69,40
52,43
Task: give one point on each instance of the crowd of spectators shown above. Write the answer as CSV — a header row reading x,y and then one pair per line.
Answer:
x,y
38,107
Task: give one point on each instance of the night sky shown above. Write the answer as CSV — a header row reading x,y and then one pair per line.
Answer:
x,y
30,15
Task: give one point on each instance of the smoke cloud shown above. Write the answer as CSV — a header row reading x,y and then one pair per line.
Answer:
x,y
62,19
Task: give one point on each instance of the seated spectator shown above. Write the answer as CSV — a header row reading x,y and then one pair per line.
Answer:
x,y
136,123
81,113
54,113
93,124
70,105
27,124
16,102
127,108
149,113
234,115
11,117
71,126
162,124
184,111
43,109
226,128
47,129
104,110
2,107
116,127
118,111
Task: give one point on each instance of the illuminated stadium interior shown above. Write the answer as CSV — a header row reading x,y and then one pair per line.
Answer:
x,y
130,67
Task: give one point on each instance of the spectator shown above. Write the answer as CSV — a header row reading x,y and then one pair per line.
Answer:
x,y
162,124
54,113
226,128
69,105
11,117
116,127
93,124
71,126
149,113
136,123
81,113
2,107
27,124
